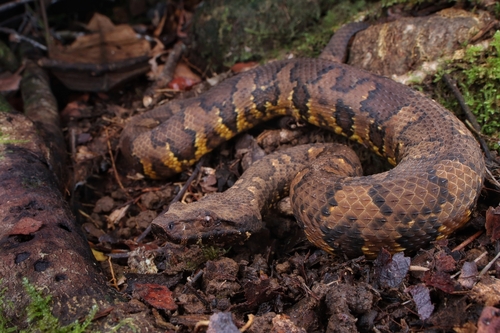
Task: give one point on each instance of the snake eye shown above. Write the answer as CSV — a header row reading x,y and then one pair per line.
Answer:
x,y
170,226
207,221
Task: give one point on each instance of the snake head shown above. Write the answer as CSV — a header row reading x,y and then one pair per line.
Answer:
x,y
209,220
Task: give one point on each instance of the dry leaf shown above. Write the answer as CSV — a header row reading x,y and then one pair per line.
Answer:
x,y
117,215
9,82
493,223
155,295
108,44
101,23
99,256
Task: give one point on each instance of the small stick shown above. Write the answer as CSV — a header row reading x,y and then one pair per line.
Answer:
x,y
177,197
24,38
118,180
113,277
467,241
48,41
488,266
468,113
189,181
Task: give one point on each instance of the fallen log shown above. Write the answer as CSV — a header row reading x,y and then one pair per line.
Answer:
x,y
39,238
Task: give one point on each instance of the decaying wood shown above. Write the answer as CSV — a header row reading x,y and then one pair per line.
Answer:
x,y
39,238
41,107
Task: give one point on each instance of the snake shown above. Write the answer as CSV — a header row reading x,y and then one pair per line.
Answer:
x,y
430,192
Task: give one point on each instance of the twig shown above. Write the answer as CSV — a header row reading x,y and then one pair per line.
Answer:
x,y
483,31
177,197
198,296
113,277
113,165
488,266
491,178
21,37
45,26
468,113
194,174
467,241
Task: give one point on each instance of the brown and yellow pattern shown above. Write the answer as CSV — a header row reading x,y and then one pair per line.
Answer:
x,y
430,192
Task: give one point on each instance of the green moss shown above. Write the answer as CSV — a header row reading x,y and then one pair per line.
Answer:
x,y
6,140
230,31
38,313
478,77
212,252
311,42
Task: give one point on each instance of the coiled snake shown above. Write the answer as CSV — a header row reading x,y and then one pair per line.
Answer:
x,y
437,178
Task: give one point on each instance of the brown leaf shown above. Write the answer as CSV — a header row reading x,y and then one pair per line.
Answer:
x,y
440,280
76,109
422,299
445,262
209,183
26,226
493,223
108,44
156,295
489,322
183,70
99,22
9,82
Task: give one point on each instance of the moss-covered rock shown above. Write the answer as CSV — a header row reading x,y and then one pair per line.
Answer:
x,y
230,31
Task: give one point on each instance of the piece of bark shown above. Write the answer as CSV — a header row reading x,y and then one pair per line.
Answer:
x,y
40,106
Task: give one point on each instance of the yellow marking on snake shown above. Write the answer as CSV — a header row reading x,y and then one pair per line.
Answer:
x,y
221,129
200,143
148,169
171,160
241,121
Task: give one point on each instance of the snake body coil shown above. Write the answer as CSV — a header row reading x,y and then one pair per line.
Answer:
x,y
428,194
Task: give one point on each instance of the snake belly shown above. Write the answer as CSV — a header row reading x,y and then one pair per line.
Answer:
x,y
431,191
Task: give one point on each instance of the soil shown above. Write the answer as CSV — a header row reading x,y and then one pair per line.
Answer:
x,y
275,281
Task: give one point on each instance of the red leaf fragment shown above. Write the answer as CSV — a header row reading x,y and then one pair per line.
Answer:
x,y
393,271
422,299
489,322
445,262
182,83
26,226
155,295
493,223
243,66
440,280
468,275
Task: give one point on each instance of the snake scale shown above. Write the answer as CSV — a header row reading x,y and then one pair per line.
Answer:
x,y
431,191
